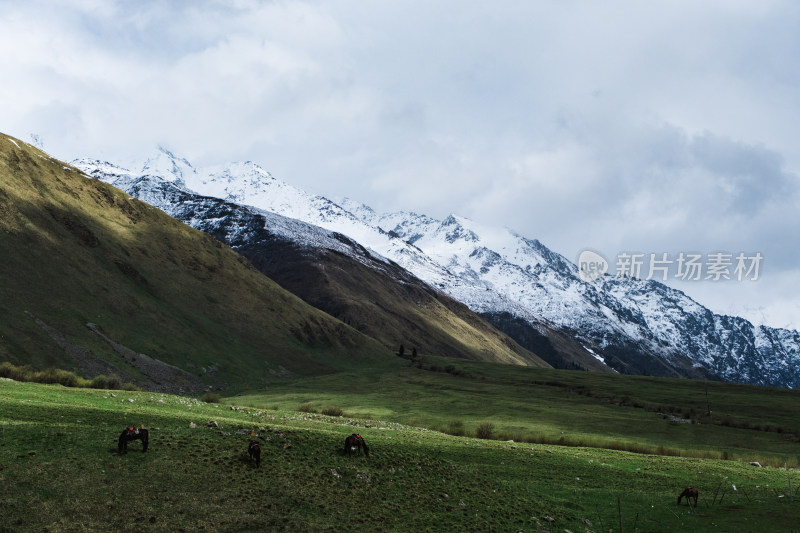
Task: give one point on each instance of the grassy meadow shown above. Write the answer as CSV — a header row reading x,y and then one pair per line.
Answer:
x,y
636,413
59,470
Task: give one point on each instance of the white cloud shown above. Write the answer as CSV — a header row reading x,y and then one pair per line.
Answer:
x,y
659,126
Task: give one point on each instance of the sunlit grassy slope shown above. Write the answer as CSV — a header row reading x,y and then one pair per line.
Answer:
x,y
77,251
59,471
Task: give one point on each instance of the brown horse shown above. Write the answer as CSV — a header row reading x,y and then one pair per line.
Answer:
x,y
355,443
254,450
129,434
688,492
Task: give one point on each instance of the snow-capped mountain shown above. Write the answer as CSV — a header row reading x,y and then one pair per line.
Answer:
x,y
632,326
333,273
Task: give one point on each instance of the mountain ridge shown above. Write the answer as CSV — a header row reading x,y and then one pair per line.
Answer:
x,y
630,325
334,273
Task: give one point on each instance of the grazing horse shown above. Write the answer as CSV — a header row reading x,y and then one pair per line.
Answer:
x,y
355,442
129,434
254,450
688,492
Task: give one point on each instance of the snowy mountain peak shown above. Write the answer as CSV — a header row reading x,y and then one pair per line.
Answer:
x,y
452,229
632,326
168,167
102,169
236,182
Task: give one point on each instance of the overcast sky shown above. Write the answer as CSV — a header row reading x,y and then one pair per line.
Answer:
x,y
620,126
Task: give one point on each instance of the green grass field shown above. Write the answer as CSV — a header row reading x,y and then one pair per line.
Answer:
x,y
655,415
59,470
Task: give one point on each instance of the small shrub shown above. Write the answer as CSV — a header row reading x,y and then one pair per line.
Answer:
x,y
211,397
485,430
99,382
62,377
306,408
58,376
106,382
455,427
333,411
17,373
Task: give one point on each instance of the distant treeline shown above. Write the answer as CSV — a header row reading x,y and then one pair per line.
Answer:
x,y
62,377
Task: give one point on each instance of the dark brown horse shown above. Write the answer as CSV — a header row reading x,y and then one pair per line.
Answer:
x,y
254,450
355,443
688,492
129,434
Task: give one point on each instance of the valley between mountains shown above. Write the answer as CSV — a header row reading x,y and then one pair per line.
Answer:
x,y
525,400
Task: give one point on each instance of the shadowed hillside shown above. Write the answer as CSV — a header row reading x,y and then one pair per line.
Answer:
x,y
98,282
337,275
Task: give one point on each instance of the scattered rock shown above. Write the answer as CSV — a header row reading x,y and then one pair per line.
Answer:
x,y
756,463
192,425
335,473
212,424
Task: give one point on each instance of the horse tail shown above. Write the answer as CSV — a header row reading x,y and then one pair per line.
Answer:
x,y
121,443
145,439
366,448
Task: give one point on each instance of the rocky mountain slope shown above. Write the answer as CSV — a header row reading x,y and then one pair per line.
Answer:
x,y
525,289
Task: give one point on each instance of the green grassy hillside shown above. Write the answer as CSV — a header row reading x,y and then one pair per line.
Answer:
x,y
59,471
77,251
646,414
